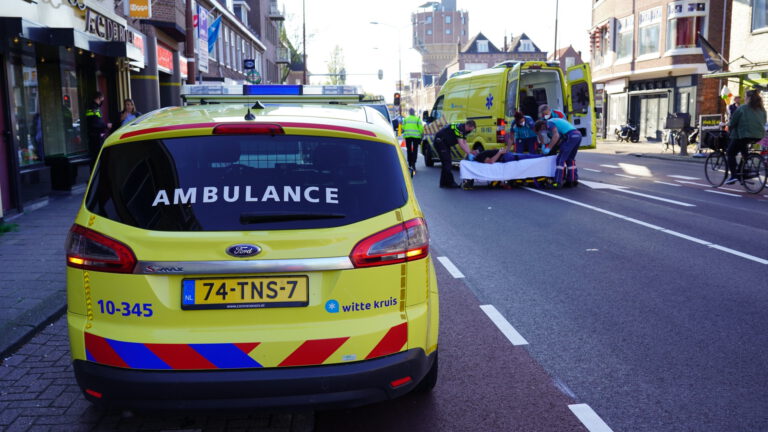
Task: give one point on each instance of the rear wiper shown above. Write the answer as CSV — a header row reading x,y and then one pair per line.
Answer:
x,y
255,218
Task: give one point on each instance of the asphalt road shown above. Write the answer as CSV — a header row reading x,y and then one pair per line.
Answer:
x,y
650,308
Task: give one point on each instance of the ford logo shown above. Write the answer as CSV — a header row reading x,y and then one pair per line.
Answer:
x,y
243,250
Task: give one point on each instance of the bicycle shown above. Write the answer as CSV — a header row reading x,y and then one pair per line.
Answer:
x,y
752,170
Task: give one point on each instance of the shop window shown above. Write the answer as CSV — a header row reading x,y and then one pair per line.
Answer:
x,y
759,14
684,21
625,29
650,27
25,108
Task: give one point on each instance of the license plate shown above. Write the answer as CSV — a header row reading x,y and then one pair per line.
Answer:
x,y
245,292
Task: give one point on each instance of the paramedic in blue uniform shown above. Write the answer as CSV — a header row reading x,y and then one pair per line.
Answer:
x,y
565,136
546,113
445,139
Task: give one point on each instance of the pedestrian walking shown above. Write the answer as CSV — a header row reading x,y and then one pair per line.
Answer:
x,y
565,139
746,126
445,139
129,112
413,129
96,126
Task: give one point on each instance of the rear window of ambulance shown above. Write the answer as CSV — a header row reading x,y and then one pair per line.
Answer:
x,y
256,182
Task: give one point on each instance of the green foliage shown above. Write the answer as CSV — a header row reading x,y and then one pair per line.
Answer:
x,y
6,227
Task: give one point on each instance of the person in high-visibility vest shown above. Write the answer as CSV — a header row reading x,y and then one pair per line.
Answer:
x,y
96,126
413,129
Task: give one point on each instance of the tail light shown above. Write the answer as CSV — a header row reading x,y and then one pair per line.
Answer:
x,y
501,131
407,241
89,250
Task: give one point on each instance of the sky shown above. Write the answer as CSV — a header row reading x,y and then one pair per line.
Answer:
x,y
367,47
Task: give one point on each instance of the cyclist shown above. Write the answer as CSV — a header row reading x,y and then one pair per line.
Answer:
x,y
746,127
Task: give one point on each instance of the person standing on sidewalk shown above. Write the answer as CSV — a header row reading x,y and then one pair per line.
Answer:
x,y
95,126
445,139
413,129
734,106
746,126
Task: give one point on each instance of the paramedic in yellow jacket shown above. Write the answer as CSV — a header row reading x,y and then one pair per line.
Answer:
x,y
413,129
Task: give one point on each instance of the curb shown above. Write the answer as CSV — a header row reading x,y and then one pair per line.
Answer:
x,y
29,331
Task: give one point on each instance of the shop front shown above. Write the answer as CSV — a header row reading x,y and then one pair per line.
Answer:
x,y
49,76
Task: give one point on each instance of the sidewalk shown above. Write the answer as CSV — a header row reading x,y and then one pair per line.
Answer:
x,y
32,276
653,150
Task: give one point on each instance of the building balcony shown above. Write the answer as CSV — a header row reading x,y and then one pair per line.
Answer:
x,y
283,56
274,12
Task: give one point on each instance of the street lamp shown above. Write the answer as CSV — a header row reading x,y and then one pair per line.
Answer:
x,y
399,59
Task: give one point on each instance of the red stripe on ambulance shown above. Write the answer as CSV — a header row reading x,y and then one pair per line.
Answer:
x,y
102,352
313,352
247,347
180,356
392,342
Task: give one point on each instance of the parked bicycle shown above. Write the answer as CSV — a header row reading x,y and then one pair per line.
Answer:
x,y
752,170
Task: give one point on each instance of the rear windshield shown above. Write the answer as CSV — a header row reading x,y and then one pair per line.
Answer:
x,y
255,182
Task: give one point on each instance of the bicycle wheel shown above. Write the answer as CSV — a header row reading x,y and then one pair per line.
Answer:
x,y
716,168
755,173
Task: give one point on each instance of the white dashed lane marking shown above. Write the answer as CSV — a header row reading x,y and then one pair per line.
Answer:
x,y
682,177
722,193
668,184
624,175
589,418
611,166
450,267
506,328
590,169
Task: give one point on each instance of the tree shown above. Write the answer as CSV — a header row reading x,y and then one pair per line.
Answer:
x,y
335,66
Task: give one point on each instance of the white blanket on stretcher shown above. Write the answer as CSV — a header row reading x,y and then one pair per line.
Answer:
x,y
499,171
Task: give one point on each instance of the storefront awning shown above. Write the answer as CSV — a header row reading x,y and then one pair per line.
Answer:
x,y
738,74
20,27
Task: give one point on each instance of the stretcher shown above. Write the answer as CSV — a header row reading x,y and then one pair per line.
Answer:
x,y
538,172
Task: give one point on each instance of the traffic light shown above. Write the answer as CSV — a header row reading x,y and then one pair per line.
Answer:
x,y
397,99
381,74
343,75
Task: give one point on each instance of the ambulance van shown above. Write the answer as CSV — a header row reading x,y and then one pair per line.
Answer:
x,y
490,97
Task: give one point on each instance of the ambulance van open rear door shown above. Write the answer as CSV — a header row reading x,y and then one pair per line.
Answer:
x,y
581,103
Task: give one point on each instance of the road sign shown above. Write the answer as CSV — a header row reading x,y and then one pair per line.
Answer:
x,y
249,64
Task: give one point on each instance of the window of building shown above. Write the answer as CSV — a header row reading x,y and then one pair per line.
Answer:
x,y
475,66
625,29
526,45
684,20
447,31
428,20
482,46
26,117
429,31
570,61
600,44
650,25
759,14
447,19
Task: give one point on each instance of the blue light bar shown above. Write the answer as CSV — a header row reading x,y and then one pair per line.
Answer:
x,y
272,89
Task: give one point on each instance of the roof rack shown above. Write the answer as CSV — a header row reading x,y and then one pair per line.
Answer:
x,y
269,93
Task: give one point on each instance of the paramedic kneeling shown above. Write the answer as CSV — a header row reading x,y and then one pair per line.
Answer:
x,y
567,138
445,139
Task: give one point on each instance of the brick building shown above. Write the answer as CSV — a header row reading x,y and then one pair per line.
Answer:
x,y
646,58
437,29
567,57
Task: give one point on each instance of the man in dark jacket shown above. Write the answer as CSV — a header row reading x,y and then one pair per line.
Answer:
x,y
96,126
445,139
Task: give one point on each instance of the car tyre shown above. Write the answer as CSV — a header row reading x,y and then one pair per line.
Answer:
x,y
428,156
430,379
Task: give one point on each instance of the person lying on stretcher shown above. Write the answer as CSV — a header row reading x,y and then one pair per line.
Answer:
x,y
502,155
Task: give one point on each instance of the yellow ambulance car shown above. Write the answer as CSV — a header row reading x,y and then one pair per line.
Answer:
x,y
251,255
490,97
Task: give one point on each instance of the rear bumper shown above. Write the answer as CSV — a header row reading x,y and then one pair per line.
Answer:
x,y
326,386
